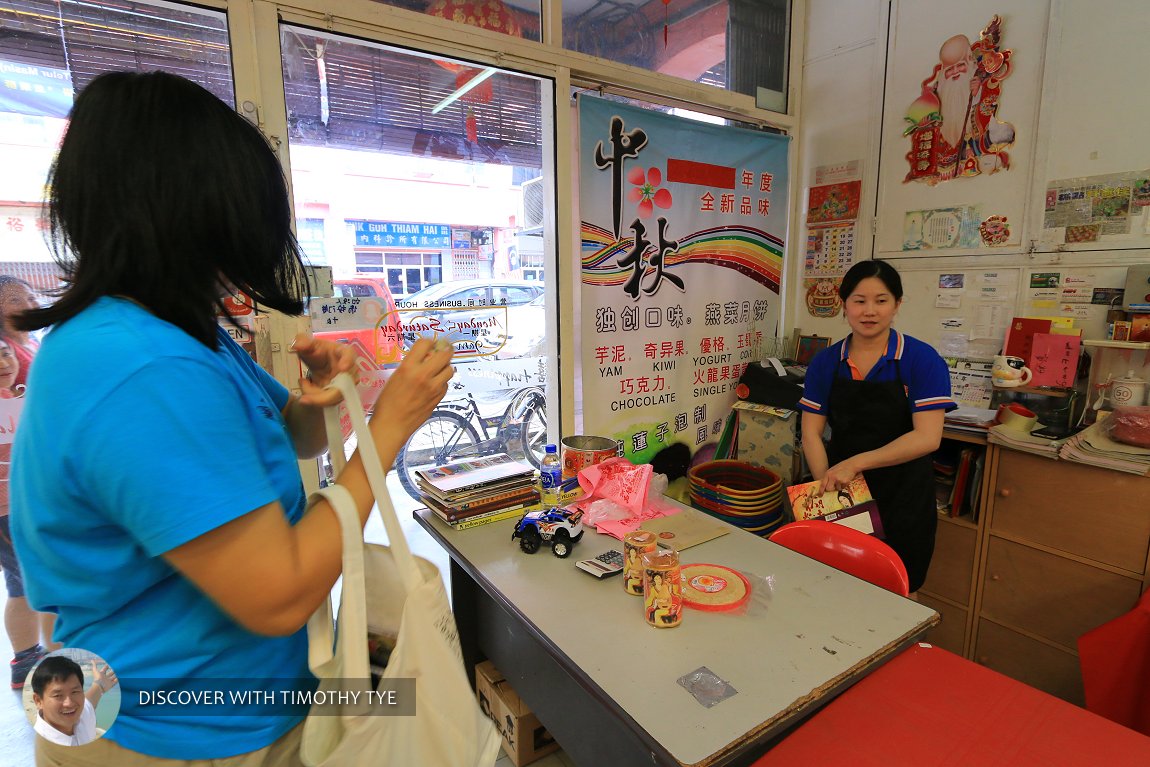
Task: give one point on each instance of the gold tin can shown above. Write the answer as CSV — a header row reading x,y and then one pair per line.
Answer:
x,y
635,544
662,588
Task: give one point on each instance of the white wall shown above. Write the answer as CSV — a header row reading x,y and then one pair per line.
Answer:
x,y
1080,108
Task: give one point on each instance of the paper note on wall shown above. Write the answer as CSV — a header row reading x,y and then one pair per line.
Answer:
x,y
1054,359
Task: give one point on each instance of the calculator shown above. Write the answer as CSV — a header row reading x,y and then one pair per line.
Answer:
x,y
605,565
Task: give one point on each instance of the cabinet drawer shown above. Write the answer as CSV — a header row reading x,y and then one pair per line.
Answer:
x,y
1050,596
952,565
1095,513
1030,661
950,633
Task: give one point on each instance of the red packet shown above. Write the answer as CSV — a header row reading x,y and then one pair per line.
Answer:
x,y
1054,359
1020,336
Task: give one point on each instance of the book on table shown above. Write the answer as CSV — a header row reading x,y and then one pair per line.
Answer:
x,y
478,496
474,474
488,518
452,513
853,506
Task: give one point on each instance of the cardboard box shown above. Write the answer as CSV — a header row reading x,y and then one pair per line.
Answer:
x,y
524,738
768,439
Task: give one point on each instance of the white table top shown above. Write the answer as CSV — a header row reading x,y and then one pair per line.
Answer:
x,y
807,631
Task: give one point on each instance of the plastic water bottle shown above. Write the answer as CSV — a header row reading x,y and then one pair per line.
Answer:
x,y
550,477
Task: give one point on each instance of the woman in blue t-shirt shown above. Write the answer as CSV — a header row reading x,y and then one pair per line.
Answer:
x,y
157,505
885,395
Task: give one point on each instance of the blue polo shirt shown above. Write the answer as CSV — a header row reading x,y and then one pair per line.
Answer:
x,y
136,439
924,374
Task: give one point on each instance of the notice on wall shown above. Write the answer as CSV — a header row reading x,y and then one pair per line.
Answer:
x,y
1091,208
942,228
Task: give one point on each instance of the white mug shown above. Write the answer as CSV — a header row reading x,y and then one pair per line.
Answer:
x,y
1128,390
1010,371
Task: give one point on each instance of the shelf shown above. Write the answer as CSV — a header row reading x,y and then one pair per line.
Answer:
x,y
1119,344
1032,390
963,521
964,436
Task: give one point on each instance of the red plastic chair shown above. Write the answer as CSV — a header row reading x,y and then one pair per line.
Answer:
x,y
846,549
1115,661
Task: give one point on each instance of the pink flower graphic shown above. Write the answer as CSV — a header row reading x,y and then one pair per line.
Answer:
x,y
646,191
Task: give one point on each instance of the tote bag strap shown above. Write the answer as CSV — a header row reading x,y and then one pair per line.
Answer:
x,y
408,569
353,612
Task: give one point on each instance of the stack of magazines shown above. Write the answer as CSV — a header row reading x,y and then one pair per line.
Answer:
x,y
1027,443
1092,446
478,491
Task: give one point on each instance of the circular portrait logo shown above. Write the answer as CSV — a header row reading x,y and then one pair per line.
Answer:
x,y
72,697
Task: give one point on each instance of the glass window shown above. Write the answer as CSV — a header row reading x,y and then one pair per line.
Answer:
x,y
740,45
49,51
428,185
518,18
309,232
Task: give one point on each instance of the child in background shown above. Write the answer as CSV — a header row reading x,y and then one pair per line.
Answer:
x,y
20,621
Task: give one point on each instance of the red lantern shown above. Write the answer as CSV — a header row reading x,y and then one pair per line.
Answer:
x,y
485,14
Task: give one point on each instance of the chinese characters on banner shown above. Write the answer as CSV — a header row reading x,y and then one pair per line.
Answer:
x,y
682,258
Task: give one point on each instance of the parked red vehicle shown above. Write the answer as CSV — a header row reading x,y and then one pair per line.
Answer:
x,y
379,344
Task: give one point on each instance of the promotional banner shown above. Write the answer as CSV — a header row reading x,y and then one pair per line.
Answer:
x,y
683,227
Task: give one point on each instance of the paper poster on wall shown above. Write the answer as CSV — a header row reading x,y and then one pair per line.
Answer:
x,y
991,320
833,203
953,125
948,299
830,251
832,174
1088,209
682,257
942,228
1077,288
822,297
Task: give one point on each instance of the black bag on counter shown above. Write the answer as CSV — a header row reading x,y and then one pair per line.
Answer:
x,y
761,383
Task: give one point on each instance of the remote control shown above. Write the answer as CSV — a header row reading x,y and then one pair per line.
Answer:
x,y
604,565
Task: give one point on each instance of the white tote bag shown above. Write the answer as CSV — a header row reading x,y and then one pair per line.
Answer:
x,y
388,591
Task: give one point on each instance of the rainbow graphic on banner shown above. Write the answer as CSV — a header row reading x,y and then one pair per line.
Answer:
x,y
751,252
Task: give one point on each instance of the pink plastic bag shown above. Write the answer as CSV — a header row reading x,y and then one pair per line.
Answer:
x,y
618,480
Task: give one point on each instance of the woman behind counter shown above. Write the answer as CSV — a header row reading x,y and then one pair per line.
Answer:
x,y
885,395
157,505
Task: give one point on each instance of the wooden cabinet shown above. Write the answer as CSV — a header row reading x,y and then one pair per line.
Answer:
x,y
948,582
1060,548
949,585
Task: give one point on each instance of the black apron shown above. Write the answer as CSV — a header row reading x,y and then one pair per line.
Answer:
x,y
865,415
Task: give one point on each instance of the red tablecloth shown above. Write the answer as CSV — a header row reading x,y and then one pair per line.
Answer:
x,y
931,708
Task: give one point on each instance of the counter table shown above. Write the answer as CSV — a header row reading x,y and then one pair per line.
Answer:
x,y
604,683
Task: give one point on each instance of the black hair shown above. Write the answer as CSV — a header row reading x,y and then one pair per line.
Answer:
x,y
55,668
163,194
844,494
873,268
